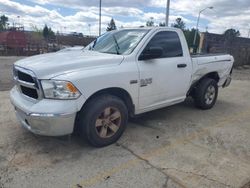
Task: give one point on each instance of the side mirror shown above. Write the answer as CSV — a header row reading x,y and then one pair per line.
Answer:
x,y
151,53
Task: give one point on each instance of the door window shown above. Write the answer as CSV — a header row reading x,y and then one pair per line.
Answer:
x,y
169,41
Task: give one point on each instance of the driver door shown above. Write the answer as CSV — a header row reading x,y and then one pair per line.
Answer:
x,y
163,80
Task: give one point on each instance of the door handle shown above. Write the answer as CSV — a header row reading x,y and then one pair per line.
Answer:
x,y
181,65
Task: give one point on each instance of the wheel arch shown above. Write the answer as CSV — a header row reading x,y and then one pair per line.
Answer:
x,y
115,91
118,92
212,75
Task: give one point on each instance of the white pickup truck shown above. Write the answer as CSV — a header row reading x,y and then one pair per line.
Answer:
x,y
122,73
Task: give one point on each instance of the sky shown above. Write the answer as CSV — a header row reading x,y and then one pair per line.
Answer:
x,y
82,15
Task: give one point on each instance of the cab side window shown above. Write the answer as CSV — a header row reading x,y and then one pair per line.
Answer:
x,y
169,41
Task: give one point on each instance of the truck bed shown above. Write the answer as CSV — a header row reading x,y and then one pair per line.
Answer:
x,y
207,63
201,59
206,55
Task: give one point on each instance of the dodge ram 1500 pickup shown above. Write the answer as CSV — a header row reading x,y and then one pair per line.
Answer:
x,y
121,74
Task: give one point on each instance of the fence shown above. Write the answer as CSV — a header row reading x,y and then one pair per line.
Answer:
x,y
38,46
238,47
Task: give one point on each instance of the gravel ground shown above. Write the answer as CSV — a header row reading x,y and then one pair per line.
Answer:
x,y
174,147
6,63
241,73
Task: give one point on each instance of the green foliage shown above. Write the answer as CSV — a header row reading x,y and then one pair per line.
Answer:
x,y
189,35
47,32
36,30
231,33
3,22
51,33
162,24
111,25
179,24
150,23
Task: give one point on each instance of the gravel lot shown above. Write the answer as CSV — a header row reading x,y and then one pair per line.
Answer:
x,y
175,147
6,72
241,73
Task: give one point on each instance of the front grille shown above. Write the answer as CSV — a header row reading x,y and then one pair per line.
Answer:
x,y
24,77
26,82
29,92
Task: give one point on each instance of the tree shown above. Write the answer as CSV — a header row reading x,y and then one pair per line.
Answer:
x,y
230,36
37,33
150,23
231,33
46,32
3,22
35,28
189,35
51,33
162,24
179,24
111,25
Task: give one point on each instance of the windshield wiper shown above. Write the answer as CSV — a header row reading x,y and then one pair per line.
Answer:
x,y
92,47
117,45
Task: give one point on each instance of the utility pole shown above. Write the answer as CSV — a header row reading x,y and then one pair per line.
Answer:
x,y
89,29
248,33
167,12
197,24
100,18
18,21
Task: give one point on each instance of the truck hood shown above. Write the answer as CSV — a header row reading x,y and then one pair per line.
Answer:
x,y
50,65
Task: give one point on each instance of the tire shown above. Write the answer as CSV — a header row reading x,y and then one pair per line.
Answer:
x,y
206,93
96,121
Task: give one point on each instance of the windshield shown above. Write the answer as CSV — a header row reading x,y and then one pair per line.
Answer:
x,y
118,42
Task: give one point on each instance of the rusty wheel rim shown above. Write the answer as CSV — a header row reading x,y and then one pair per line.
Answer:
x,y
210,95
108,122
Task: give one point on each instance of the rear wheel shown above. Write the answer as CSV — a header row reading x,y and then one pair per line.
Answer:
x,y
206,93
103,120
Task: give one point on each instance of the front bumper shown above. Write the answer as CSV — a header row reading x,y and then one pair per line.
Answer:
x,y
45,117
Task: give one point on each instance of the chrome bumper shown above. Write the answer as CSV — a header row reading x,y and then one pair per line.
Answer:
x,y
45,117
46,124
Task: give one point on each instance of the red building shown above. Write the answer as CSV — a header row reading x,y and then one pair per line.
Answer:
x,y
13,39
12,42
26,43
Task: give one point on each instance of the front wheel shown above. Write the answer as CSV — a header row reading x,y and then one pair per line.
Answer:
x,y
103,120
206,94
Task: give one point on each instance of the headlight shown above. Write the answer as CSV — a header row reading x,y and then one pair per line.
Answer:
x,y
55,89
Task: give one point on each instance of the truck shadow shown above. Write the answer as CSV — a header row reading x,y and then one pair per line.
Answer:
x,y
166,111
